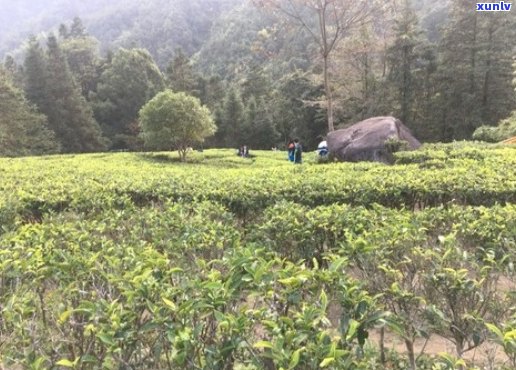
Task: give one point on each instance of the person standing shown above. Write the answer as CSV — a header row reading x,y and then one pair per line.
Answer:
x,y
298,151
291,148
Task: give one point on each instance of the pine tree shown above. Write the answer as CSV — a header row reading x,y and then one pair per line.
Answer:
x,y
63,31
68,113
23,131
475,68
211,91
77,29
402,58
495,78
180,75
258,130
35,74
14,71
230,133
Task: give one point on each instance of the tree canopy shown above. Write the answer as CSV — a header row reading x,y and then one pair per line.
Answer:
x,y
175,121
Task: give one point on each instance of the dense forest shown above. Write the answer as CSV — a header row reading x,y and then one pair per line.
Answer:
x,y
75,74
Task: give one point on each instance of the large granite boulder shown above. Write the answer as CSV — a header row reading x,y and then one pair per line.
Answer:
x,y
366,140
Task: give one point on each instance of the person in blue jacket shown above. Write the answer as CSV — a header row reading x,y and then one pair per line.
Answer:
x,y
298,151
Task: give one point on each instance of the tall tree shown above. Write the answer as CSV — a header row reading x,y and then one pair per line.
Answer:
x,y
82,54
230,132
175,121
475,69
295,110
180,75
23,131
327,21
126,84
77,29
14,71
35,73
258,130
211,91
68,113
402,57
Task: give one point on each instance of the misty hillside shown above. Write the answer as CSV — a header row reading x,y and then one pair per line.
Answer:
x,y
159,26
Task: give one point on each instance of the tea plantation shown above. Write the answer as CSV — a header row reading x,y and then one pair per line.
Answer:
x,y
138,261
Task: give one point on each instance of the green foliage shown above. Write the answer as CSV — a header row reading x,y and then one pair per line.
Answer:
x,y
486,133
82,55
180,75
258,130
403,57
505,130
231,120
475,62
225,262
441,68
23,131
395,145
129,80
68,113
49,85
175,120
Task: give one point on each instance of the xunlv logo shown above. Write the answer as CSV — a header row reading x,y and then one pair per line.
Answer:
x,y
494,7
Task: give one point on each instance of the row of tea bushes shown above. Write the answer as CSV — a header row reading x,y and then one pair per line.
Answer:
x,y
35,186
187,285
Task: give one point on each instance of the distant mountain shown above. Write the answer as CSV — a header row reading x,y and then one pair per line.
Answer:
x,y
157,25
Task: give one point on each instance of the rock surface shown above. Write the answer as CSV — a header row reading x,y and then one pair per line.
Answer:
x,y
365,140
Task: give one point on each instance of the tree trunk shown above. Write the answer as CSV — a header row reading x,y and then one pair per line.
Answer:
x,y
382,346
411,357
182,154
459,347
473,55
329,97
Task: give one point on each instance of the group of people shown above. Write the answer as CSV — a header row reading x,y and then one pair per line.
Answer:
x,y
295,150
243,151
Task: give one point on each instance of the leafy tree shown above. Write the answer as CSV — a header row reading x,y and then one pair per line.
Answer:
x,y
175,120
257,84
328,22
23,131
82,55
127,83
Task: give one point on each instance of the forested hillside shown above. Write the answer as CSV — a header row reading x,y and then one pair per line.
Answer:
x,y
262,67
